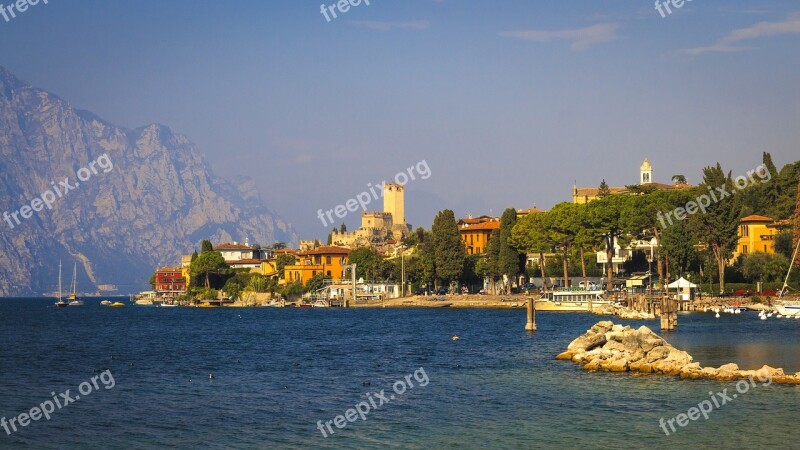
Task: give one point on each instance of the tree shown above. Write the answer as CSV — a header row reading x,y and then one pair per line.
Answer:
x,y
206,264
330,237
530,236
603,191
279,245
678,246
194,255
760,266
797,224
206,246
448,248
783,243
679,179
153,281
562,229
343,228
605,218
492,269
282,261
717,227
316,282
369,264
508,258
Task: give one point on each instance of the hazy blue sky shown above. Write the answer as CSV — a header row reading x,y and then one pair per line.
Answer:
x,y
509,102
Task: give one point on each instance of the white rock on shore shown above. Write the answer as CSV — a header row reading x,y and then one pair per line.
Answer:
x,y
615,348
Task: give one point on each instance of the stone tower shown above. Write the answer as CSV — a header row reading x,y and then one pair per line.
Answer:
x,y
645,173
394,202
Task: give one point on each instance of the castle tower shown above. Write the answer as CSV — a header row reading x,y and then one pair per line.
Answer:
x,y
394,202
645,173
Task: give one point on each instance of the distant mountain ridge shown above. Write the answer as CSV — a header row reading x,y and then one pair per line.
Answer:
x,y
159,201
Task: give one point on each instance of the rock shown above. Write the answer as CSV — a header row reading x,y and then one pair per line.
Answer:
x,y
617,348
728,372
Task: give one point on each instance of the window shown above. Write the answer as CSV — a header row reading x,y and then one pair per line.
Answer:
x,y
327,260
745,231
329,273
744,249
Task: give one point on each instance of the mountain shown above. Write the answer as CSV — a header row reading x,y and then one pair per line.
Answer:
x,y
130,200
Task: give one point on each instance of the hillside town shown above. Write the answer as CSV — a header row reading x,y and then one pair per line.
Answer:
x,y
607,238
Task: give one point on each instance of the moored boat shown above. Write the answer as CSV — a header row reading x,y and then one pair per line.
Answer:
x,y
73,297
116,305
789,309
570,301
61,303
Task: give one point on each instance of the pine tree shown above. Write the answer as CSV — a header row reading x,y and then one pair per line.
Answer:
x,y
603,191
206,246
449,251
343,228
508,260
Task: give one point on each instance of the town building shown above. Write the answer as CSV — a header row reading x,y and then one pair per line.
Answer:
x,y
170,282
327,260
586,194
238,252
475,232
756,234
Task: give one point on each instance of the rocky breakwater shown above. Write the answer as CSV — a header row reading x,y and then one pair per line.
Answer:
x,y
617,348
623,313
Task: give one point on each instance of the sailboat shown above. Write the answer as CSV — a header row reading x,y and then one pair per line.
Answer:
x,y
61,302
73,297
789,309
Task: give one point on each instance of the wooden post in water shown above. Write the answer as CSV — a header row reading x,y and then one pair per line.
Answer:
x,y
531,325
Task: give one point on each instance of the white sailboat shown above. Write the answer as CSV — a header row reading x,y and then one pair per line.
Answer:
x,y
61,302
789,309
73,297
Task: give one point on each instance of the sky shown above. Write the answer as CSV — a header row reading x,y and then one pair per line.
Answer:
x,y
508,102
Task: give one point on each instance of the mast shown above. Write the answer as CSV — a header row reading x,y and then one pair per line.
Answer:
x,y
74,280
786,281
59,280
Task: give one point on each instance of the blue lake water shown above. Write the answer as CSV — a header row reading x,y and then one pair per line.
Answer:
x,y
277,372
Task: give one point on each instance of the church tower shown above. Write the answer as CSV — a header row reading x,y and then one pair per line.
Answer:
x,y
394,202
645,173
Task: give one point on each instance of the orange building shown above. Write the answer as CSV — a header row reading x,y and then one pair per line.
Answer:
x,y
475,232
327,260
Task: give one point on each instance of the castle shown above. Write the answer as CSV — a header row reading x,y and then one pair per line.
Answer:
x,y
379,228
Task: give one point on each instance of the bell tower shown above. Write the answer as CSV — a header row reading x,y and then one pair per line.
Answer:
x,y
645,173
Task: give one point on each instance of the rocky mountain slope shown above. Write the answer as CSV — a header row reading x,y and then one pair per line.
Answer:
x,y
150,199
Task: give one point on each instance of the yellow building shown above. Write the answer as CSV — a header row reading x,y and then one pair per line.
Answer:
x,y
327,260
475,232
756,234
186,263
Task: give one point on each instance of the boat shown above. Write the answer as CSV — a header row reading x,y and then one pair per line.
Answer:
x,y
168,305
105,302
61,303
789,309
570,300
73,297
117,305
321,304
144,302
